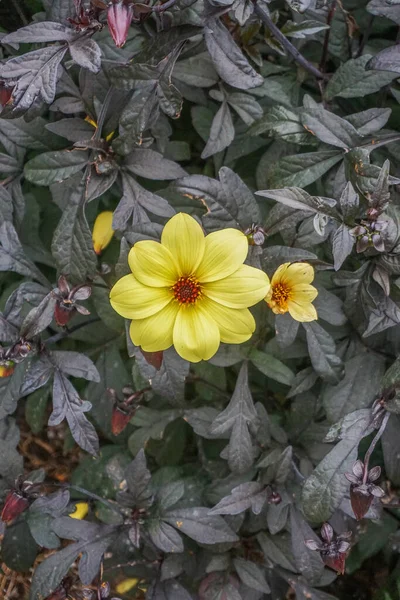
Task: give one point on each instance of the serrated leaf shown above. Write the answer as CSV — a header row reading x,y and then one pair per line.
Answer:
x,y
323,352
228,59
72,246
302,169
221,133
197,524
251,575
53,167
36,73
352,80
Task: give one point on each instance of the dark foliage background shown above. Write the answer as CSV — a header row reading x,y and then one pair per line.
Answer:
x,y
222,473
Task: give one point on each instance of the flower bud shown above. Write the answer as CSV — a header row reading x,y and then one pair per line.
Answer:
x,y
119,18
62,314
119,420
14,505
153,358
102,231
7,368
81,510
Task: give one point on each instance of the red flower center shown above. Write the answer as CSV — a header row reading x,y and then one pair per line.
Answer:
x,y
186,290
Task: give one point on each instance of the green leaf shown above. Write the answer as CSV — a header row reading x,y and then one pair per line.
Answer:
x,y
72,246
35,410
221,133
302,169
251,575
271,367
352,80
322,351
53,167
330,128
200,526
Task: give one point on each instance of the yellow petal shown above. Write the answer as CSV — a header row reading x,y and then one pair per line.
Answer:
x,y
102,231
302,293
133,300
155,333
235,325
196,334
242,289
224,253
81,510
299,273
279,273
302,312
184,237
153,264
126,585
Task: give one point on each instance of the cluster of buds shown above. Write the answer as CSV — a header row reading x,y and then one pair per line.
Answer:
x,y
255,235
368,235
87,19
363,489
13,355
119,19
125,409
333,548
18,499
67,299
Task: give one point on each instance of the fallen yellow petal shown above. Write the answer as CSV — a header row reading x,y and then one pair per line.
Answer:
x,y
102,231
126,585
81,510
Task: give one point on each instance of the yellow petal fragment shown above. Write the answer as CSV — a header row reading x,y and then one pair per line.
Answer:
x,y
81,510
155,333
153,264
235,325
279,274
299,273
196,335
225,252
302,293
302,312
133,300
126,585
184,237
242,289
102,231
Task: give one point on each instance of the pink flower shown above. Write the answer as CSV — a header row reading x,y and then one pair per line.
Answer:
x,y
119,18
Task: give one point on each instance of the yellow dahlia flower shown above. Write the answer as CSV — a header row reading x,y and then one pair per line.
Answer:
x,y
102,231
191,291
291,292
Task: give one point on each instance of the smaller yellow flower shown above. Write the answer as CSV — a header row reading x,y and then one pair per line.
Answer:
x,y
102,231
7,368
126,585
291,292
81,510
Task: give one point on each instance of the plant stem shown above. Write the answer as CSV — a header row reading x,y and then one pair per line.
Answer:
x,y
373,444
329,19
162,7
103,113
63,334
20,12
298,57
365,36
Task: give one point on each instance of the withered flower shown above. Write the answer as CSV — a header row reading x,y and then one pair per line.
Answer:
x,y
125,409
67,298
368,234
362,489
333,548
18,500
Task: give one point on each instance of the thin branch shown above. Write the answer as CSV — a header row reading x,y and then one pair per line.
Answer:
x,y
365,36
329,19
162,7
276,32
373,444
63,334
20,12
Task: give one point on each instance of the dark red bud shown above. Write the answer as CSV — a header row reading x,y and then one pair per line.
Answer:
x,y
62,315
119,420
153,358
274,498
337,563
360,503
14,505
119,18
5,96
